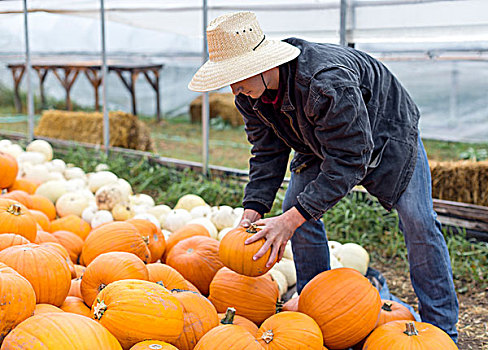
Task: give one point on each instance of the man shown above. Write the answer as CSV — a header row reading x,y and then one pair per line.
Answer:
x,y
350,122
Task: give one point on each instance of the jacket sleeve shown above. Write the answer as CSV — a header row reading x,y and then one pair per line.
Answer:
x,y
267,166
343,129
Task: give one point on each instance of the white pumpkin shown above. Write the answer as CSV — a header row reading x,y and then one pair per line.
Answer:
x,y
334,263
239,211
287,267
176,219
148,217
88,213
75,184
122,212
201,211
212,230
108,196
72,203
31,157
354,256
288,254
280,280
41,146
14,150
102,167
56,165
189,201
125,187
99,179
52,189
74,173
35,172
159,210
142,199
166,234
223,232
101,217
5,143
54,175
333,247
224,217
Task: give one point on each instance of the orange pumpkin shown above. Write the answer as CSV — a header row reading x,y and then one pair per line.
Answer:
x,y
73,224
75,288
16,218
18,299
197,259
393,311
107,268
60,331
11,239
408,335
44,237
76,305
44,268
345,305
291,305
290,330
153,345
45,309
41,219
25,185
72,242
8,170
168,277
253,297
152,236
199,316
238,256
19,196
135,310
64,254
228,336
241,321
115,236
80,270
43,204
185,232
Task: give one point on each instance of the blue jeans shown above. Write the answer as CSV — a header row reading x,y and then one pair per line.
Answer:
x,y
430,266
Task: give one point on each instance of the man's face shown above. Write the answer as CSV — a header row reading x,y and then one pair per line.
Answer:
x,y
252,87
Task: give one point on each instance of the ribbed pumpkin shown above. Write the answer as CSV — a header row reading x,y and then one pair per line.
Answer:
x,y
241,321
80,270
25,185
75,288
228,336
44,268
115,236
42,309
168,277
187,231
197,259
135,310
11,239
290,330
19,196
43,204
199,315
16,218
393,311
344,304
153,345
41,219
17,299
408,335
44,237
64,254
60,331
291,305
107,268
253,297
153,237
72,242
238,256
73,224
8,170
76,305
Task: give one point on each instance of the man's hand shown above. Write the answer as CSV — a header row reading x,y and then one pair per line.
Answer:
x,y
277,231
249,217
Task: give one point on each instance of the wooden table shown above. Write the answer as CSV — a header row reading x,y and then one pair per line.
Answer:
x,y
67,73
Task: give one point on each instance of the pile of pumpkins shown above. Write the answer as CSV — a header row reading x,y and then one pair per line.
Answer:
x,y
87,264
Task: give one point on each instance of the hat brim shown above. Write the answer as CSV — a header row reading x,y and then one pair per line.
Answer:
x,y
215,75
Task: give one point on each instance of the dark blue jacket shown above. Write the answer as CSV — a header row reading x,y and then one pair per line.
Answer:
x,y
349,113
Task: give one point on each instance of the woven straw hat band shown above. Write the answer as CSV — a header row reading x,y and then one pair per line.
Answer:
x,y
233,35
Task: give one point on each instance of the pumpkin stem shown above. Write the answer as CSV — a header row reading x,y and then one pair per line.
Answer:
x,y
229,316
252,229
279,305
387,306
145,239
411,330
15,209
101,286
99,309
267,336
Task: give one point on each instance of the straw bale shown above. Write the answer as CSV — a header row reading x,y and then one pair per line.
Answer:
x,y
220,104
462,181
125,129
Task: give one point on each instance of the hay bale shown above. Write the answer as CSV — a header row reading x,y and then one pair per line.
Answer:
x,y
220,104
462,181
125,129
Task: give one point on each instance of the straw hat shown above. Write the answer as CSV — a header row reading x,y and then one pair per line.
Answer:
x,y
238,49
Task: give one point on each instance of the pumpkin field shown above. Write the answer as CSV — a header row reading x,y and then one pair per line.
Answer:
x,y
117,252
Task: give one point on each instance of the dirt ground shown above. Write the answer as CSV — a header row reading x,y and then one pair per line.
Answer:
x,y
473,308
